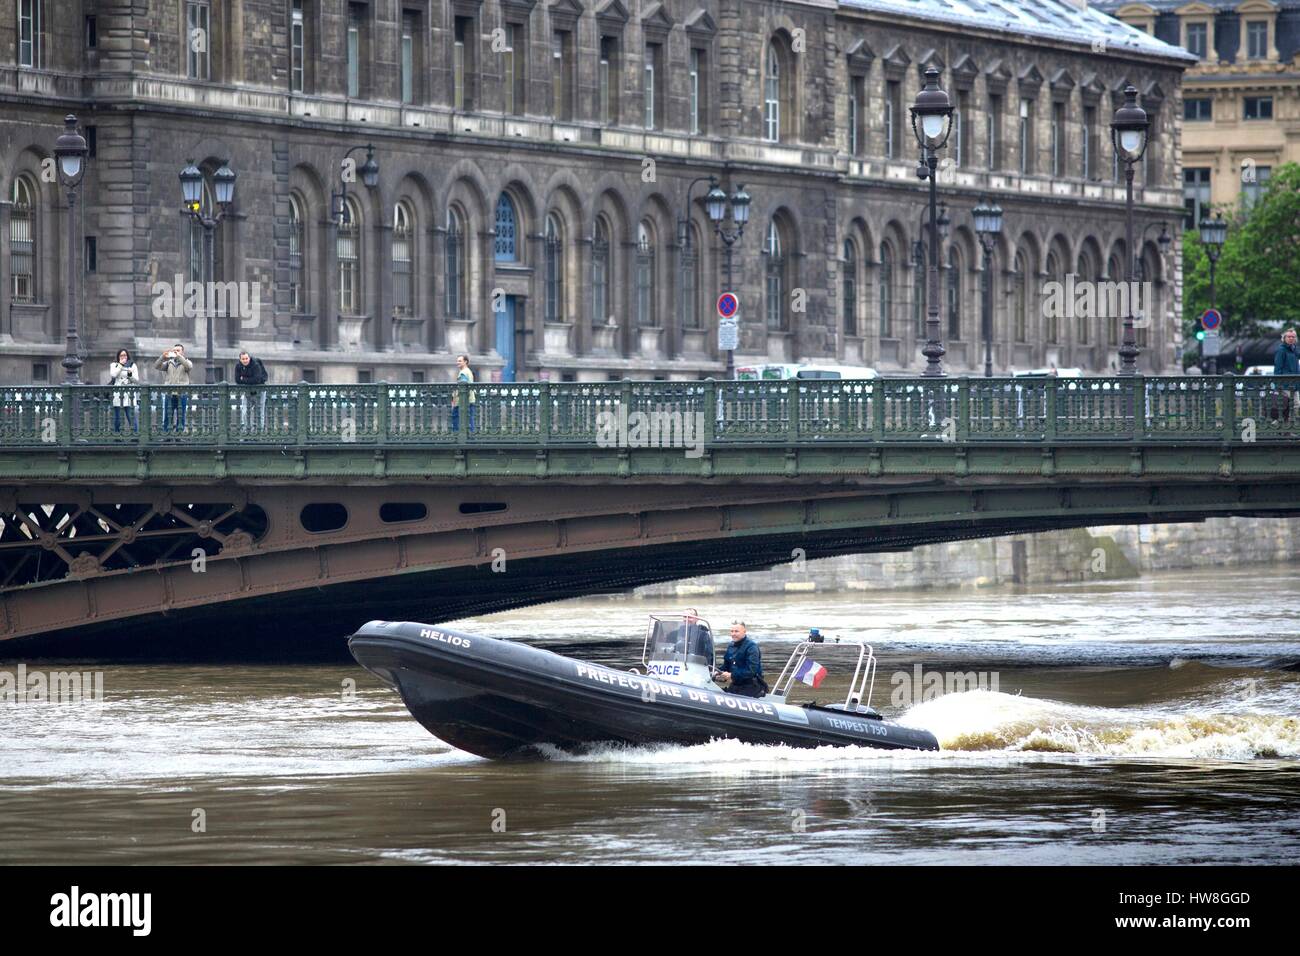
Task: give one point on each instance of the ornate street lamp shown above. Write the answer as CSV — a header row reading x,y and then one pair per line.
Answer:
x,y
369,171
223,186
1214,232
988,226
931,124
718,205
1128,136
70,154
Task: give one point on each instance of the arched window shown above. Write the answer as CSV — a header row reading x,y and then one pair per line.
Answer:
x,y
403,259
691,279
297,251
1051,329
954,293
600,310
506,247
349,258
554,270
646,316
454,253
1020,308
886,280
774,249
772,94
22,240
1113,321
1085,273
850,288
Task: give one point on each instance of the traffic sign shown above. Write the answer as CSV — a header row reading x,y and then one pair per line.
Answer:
x,y
728,305
728,335
1210,345
1210,319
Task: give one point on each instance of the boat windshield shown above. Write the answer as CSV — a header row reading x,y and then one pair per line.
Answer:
x,y
688,640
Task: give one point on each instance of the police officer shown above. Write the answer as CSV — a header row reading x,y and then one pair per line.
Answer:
x,y
742,665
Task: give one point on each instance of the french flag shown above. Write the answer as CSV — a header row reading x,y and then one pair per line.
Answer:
x,y
811,673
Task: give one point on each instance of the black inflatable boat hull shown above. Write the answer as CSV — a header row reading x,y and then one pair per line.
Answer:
x,y
500,698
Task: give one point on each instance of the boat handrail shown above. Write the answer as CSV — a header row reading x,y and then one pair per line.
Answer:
x,y
864,672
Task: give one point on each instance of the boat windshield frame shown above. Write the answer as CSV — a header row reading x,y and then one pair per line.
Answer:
x,y
864,672
688,651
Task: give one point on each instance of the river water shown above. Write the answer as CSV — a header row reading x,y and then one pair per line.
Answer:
x,y
1155,721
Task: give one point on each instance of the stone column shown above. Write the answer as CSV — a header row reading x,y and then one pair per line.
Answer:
x,y
6,320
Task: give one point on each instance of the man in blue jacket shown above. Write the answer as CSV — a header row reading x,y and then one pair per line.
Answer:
x,y
742,665
1286,361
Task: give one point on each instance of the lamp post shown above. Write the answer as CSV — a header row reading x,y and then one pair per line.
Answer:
x,y
369,175
988,226
931,124
70,154
1128,136
1214,232
720,207
223,185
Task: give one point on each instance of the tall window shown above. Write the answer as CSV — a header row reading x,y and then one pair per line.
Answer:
x,y
993,131
1253,186
1196,195
409,55
886,282
653,83
1089,150
1085,274
512,71
554,260
893,112
197,251
1112,322
600,310
1050,329
198,39
297,246
607,80
1020,308
857,114
561,70
297,47
1058,139
355,14
349,258
696,82
1196,33
954,293
775,277
1257,39
31,34
454,254
772,94
459,54
1026,136
22,241
850,288
645,276
403,257
961,129
691,279
506,248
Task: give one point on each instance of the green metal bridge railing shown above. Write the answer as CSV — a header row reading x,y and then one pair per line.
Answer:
x,y
895,410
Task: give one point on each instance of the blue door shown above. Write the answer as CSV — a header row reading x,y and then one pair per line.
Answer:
x,y
506,338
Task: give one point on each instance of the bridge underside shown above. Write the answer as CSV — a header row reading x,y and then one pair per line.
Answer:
x,y
287,572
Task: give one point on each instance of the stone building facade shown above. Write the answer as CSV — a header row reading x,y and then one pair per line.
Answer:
x,y
1241,99
538,202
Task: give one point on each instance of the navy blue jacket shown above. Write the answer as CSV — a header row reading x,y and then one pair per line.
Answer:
x,y
1286,360
743,660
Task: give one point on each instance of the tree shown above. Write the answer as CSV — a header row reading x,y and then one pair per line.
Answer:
x,y
1257,281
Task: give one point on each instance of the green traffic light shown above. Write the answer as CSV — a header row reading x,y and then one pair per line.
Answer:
x,y
1200,335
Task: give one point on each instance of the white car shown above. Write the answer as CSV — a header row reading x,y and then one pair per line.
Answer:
x,y
786,370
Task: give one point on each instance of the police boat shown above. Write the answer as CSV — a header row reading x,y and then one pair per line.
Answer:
x,y
498,698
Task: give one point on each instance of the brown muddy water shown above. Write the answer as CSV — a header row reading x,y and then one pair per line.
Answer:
x,y
1155,721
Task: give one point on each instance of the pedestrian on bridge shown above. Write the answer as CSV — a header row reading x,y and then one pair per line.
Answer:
x,y
176,368
251,372
124,375
1286,361
464,374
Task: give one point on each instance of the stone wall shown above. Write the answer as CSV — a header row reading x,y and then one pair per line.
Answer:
x,y
1081,554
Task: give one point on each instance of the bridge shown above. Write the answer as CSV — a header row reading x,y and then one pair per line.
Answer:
x,y
279,517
